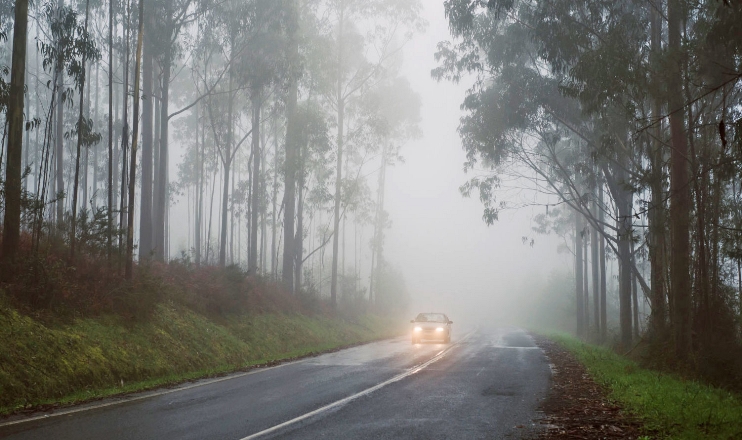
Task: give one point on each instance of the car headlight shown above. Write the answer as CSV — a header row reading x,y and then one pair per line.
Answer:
x,y
418,329
439,329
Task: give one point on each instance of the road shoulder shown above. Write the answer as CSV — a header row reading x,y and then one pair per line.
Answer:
x,y
576,406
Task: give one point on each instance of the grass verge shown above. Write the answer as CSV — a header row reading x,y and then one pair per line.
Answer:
x,y
668,405
49,364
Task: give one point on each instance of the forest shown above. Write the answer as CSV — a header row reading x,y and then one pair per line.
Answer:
x,y
625,118
264,130
269,123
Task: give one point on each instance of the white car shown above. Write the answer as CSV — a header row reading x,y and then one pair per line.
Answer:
x,y
434,326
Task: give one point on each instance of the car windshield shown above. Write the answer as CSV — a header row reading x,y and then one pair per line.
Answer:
x,y
431,317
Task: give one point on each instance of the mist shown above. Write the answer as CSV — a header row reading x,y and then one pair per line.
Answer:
x,y
480,159
286,210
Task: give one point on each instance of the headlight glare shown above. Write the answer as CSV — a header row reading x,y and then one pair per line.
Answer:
x,y
418,329
439,329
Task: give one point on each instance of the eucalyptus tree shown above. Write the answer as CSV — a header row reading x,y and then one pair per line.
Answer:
x,y
263,58
14,111
393,111
589,72
314,172
171,17
148,61
356,27
133,166
109,183
85,134
66,50
293,72
535,87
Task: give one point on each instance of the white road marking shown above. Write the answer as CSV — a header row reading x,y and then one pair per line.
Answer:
x,y
365,392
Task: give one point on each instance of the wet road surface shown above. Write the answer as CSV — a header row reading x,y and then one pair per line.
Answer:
x,y
486,384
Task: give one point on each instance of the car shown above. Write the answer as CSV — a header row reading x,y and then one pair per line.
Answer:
x,y
435,326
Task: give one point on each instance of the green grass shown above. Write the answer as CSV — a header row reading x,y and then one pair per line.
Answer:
x,y
95,357
668,405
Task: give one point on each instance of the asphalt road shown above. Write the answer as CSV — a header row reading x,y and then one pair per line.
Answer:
x,y
486,384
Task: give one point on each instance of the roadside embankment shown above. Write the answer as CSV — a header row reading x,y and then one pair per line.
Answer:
x,y
44,363
665,405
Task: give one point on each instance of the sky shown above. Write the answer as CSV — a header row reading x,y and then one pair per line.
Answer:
x,y
450,258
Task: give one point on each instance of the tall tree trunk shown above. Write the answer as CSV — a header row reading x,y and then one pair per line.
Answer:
x,y
145,215
624,256
117,130
37,145
299,240
80,122
227,162
59,78
110,130
12,218
133,167
231,224
125,134
339,172
256,97
338,195
85,173
595,257
586,279
94,197
86,161
249,206
579,283
372,275
224,211
26,151
378,249
263,197
161,194
634,295
157,72
200,196
658,317
211,214
603,281
274,201
291,151
680,198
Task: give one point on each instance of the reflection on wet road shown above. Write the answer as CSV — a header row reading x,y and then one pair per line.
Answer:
x,y
486,384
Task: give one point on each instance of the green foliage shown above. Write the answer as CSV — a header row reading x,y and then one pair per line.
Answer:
x,y
93,357
70,44
668,404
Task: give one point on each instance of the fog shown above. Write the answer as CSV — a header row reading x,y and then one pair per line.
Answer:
x,y
451,259
548,165
420,235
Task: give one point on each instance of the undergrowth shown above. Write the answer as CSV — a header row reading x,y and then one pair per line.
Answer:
x,y
668,405
41,363
74,330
